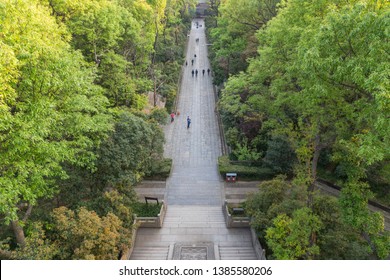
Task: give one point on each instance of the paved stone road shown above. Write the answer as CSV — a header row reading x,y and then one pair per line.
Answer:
x,y
194,192
195,179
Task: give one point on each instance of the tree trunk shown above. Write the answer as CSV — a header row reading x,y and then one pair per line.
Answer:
x,y
314,163
19,232
18,229
155,43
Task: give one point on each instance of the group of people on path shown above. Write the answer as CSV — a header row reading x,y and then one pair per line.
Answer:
x,y
195,72
178,114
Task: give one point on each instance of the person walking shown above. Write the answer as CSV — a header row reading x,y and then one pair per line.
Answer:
x,y
192,62
172,117
203,71
186,63
208,71
188,122
193,72
196,72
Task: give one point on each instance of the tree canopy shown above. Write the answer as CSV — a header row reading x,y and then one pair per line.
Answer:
x,y
74,81
317,90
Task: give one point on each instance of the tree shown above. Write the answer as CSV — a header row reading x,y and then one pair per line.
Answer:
x,y
336,239
274,197
37,246
120,89
289,238
84,235
129,151
321,83
55,115
233,40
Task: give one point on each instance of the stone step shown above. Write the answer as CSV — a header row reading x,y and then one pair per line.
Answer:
x,y
150,253
238,258
194,181
198,209
184,210
194,216
193,221
194,224
190,208
237,253
151,184
185,200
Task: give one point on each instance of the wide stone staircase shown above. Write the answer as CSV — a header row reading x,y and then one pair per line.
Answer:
x,y
193,227
150,253
237,253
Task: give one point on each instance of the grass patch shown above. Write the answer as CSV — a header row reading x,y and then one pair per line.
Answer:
x,y
244,171
235,214
146,210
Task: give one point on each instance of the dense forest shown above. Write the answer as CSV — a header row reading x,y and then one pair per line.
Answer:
x,y
76,131
304,91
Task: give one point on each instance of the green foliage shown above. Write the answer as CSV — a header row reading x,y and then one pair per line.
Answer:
x,y
129,152
271,193
234,213
62,64
160,169
275,205
243,152
320,84
146,209
289,238
280,157
378,176
120,89
37,247
233,37
159,115
336,239
244,172
59,114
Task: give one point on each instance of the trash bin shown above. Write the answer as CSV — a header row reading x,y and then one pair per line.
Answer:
x,y
231,177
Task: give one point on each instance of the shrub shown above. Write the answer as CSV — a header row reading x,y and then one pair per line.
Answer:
x,y
146,209
244,170
160,170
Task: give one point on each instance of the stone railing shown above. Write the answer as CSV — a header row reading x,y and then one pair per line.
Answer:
x,y
236,222
127,253
232,221
153,222
260,252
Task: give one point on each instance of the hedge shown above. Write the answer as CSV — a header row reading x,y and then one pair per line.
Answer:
x,y
244,172
146,210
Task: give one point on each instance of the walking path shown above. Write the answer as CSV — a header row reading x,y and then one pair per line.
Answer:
x,y
194,225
